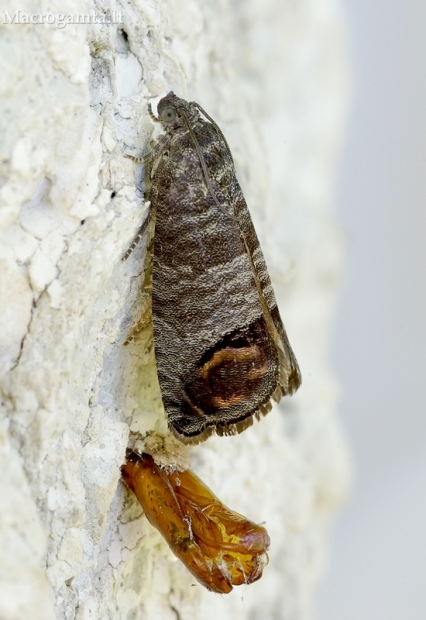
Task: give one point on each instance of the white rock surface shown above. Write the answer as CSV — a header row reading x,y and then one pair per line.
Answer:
x,y
74,544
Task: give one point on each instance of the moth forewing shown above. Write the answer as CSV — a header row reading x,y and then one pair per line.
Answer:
x,y
221,349
290,377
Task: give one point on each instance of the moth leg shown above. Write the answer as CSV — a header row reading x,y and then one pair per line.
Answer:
x,y
139,160
138,237
156,149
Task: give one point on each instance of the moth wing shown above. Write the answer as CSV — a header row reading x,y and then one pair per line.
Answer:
x,y
290,376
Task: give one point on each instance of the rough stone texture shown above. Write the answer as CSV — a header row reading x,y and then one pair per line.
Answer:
x,y
74,544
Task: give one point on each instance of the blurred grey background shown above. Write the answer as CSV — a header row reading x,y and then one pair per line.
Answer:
x,y
378,556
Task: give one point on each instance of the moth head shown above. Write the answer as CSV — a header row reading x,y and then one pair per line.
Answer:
x,y
167,109
171,108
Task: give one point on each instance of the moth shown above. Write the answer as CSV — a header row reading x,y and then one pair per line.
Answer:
x,y
218,546
221,349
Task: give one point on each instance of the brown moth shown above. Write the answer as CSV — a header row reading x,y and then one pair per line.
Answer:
x,y
221,349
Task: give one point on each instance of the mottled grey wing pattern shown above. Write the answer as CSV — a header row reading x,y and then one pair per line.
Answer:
x,y
221,349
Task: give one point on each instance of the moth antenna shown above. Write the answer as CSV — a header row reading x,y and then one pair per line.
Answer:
x,y
202,161
152,115
216,126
